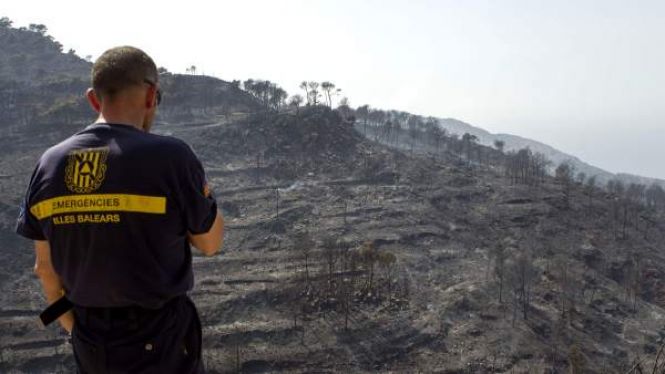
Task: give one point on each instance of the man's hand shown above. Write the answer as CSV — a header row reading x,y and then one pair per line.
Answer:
x,y
51,283
211,242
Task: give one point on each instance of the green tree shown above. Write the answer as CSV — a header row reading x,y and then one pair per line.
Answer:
x,y
313,94
327,88
38,28
303,85
295,102
499,145
269,94
6,22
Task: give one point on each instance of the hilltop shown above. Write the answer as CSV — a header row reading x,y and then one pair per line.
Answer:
x,y
41,85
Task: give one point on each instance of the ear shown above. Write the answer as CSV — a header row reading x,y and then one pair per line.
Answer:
x,y
93,100
151,98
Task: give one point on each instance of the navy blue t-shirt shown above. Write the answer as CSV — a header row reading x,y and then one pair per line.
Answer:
x,y
115,204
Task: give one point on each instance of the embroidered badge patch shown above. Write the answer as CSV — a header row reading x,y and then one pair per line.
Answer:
x,y
86,169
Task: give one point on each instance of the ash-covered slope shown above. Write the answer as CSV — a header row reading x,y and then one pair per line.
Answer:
x,y
330,266
315,137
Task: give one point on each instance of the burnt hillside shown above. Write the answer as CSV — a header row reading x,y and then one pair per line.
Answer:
x,y
445,265
402,251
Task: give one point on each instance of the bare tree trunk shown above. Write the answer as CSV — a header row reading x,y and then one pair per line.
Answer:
x,y
625,220
501,290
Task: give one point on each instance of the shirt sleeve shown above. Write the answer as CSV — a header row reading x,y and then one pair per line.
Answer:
x,y
199,204
27,224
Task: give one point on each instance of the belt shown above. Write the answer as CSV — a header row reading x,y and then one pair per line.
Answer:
x,y
119,313
64,305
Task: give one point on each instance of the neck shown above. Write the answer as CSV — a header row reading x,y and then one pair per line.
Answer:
x,y
134,121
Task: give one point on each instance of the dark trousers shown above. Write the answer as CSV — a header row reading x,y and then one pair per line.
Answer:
x,y
138,340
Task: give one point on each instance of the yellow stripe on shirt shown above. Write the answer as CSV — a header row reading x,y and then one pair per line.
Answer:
x,y
99,203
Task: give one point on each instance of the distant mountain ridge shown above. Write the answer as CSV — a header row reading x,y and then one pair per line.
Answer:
x,y
514,143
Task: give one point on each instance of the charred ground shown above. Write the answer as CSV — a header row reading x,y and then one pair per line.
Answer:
x,y
384,252
346,255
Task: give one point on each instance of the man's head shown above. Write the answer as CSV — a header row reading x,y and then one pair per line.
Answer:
x,y
125,86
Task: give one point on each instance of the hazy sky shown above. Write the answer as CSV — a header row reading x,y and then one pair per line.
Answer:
x,y
587,77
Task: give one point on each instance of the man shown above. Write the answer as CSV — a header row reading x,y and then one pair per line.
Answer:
x,y
113,211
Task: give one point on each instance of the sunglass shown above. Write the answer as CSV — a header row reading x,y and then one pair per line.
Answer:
x,y
159,92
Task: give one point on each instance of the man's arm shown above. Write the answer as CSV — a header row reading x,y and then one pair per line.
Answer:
x,y
51,283
211,242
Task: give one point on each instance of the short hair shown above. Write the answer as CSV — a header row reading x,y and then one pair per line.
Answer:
x,y
120,68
